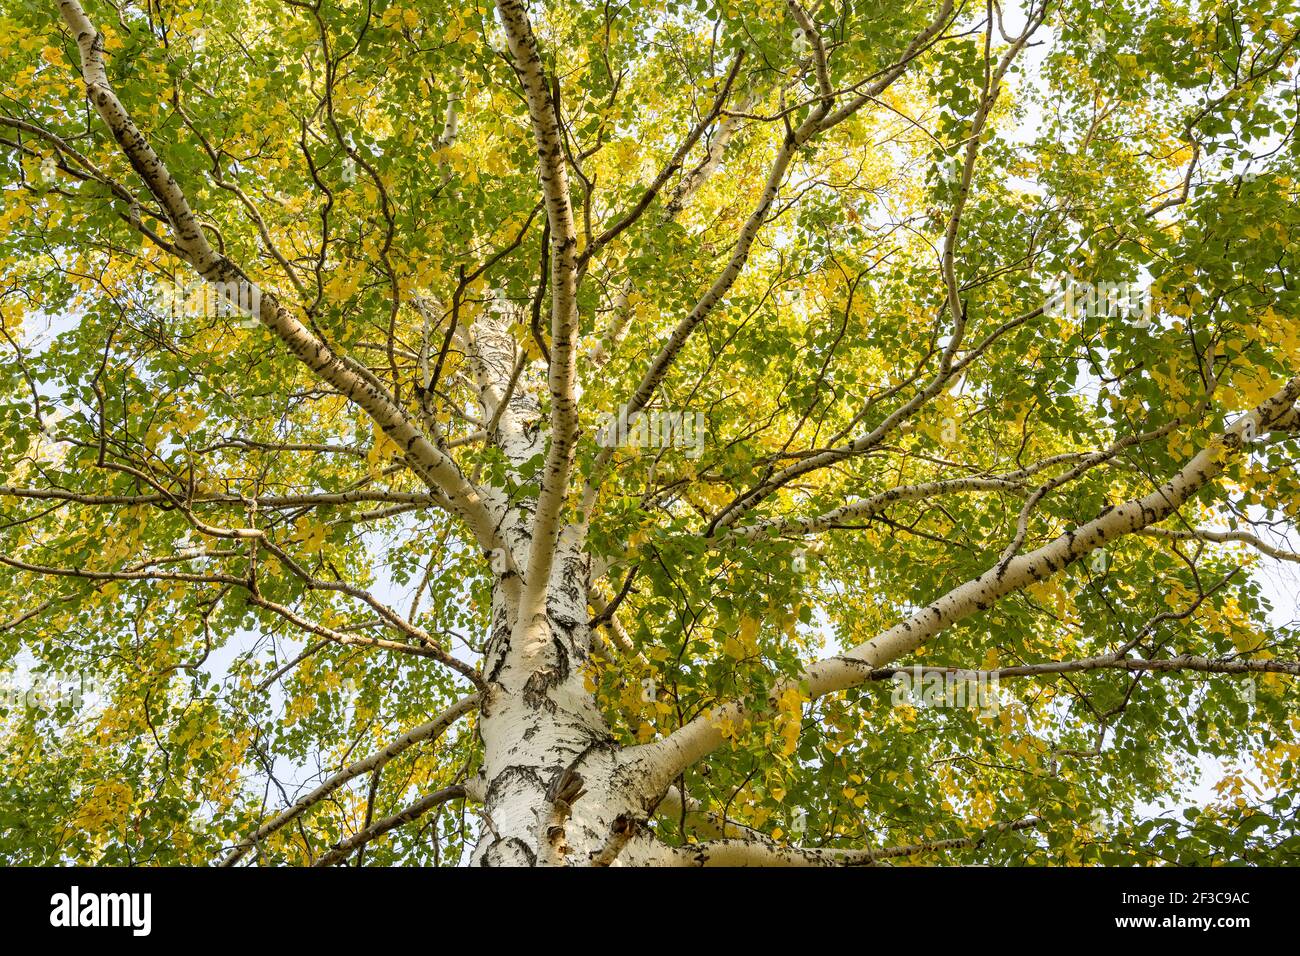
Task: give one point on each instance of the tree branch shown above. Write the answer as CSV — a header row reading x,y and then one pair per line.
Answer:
x,y
429,730
344,848
348,378
564,307
663,760
759,853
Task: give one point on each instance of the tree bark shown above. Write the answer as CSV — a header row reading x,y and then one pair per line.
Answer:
x,y
557,787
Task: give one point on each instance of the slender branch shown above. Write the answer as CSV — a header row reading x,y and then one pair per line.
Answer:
x,y
730,852
674,164
1184,662
344,848
430,730
264,502
1222,537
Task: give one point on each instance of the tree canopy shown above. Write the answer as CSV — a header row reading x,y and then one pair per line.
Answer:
x,y
735,375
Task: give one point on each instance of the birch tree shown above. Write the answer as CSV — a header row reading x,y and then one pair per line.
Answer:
x,y
649,433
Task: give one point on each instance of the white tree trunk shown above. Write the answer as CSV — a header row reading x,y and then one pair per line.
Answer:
x,y
557,788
